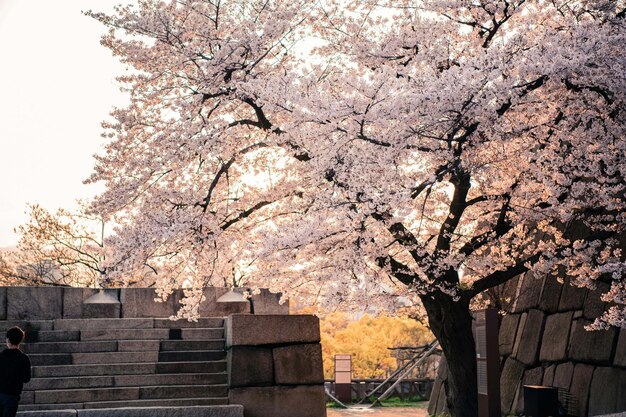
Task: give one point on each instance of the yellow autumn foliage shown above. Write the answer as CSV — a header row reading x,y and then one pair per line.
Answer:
x,y
368,340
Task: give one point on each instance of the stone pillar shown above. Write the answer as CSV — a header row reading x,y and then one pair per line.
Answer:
x,y
275,365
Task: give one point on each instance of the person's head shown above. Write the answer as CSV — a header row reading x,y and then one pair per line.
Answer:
x,y
15,335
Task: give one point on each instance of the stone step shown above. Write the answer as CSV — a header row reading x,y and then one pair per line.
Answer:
x,y
121,346
95,324
114,357
27,409
129,369
129,393
125,334
191,356
171,379
51,359
69,347
138,345
148,408
191,367
40,384
219,408
152,334
27,325
94,370
57,336
204,322
202,333
180,345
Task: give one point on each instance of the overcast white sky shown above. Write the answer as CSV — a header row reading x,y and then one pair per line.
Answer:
x,y
56,86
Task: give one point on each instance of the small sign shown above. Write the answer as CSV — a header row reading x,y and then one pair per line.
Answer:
x,y
343,377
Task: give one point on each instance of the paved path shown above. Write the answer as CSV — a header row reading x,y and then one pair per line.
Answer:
x,y
379,412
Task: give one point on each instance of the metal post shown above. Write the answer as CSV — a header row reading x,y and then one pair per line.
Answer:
x,y
487,362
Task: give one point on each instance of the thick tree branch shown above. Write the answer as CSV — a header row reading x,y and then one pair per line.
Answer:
x,y
399,270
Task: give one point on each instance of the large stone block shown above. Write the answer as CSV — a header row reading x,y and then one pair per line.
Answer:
x,y
280,401
506,293
434,396
3,303
298,365
437,405
510,380
531,337
555,337
620,350
256,330
531,377
250,366
269,303
591,346
563,375
73,301
140,302
581,381
508,330
213,306
550,295
594,306
111,311
548,375
39,303
528,293
572,297
442,403
607,391
518,334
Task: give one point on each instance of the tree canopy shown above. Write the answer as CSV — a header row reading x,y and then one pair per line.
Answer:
x,y
361,152
376,148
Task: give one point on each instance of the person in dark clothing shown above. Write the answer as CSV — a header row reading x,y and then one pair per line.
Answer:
x,y
14,372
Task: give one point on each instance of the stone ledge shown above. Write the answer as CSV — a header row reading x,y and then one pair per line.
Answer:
x,y
50,413
258,330
191,411
280,401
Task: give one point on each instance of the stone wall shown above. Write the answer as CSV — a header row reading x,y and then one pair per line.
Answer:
x,y
543,342
275,365
47,303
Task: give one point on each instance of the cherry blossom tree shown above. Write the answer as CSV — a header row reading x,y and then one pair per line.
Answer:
x,y
371,152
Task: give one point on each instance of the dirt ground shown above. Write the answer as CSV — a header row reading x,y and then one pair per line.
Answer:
x,y
379,412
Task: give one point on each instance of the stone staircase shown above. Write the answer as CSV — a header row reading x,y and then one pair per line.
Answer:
x,y
124,362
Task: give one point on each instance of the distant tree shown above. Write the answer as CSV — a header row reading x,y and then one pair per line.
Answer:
x,y
18,269
426,151
369,340
61,248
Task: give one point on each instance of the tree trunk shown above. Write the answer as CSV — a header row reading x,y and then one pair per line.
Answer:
x,y
451,322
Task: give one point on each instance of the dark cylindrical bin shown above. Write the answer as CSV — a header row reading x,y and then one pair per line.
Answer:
x,y
540,401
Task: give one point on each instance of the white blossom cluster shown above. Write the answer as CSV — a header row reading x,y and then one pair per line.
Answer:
x,y
361,153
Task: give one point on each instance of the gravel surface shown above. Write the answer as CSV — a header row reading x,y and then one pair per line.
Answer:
x,y
379,412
